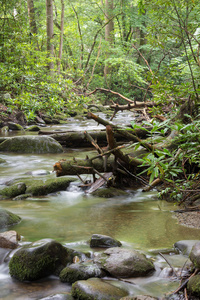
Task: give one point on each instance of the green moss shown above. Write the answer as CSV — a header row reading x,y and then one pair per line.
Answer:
x,y
109,192
7,218
13,190
193,285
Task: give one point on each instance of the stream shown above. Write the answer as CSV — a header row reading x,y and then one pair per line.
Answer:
x,y
139,221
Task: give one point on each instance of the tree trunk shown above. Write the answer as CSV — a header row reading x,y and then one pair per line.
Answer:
x,y
50,46
31,16
61,35
109,30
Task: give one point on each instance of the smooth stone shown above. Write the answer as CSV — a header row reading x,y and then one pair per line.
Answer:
x,y
58,297
103,241
31,144
124,262
195,255
185,246
9,239
139,297
14,126
33,128
96,289
7,218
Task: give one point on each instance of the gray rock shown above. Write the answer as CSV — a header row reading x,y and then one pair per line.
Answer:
x,y
139,297
14,126
39,259
185,246
96,289
80,271
124,262
9,239
31,144
13,190
103,241
195,255
7,218
58,297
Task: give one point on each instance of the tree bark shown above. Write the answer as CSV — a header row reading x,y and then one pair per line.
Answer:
x,y
109,30
31,16
61,35
50,46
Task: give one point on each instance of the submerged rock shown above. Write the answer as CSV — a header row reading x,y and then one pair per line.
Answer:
x,y
7,218
96,289
185,246
13,190
31,144
80,271
109,192
103,241
9,239
40,259
193,286
195,255
124,262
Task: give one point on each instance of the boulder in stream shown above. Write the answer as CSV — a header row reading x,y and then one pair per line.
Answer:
x,y
96,289
195,255
193,286
139,297
80,271
7,218
31,144
14,126
13,190
40,259
9,239
185,246
103,241
124,262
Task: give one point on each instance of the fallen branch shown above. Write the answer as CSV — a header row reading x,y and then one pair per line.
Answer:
x,y
112,92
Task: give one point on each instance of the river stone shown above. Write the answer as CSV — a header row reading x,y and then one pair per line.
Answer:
x,y
9,239
109,192
124,262
39,259
195,255
33,128
31,144
185,246
193,286
58,297
103,241
7,218
96,289
14,126
13,190
80,271
139,297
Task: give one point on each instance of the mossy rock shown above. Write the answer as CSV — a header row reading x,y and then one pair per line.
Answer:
x,y
96,289
195,255
80,271
7,218
40,259
49,186
193,286
103,241
109,192
14,126
2,161
13,190
58,297
33,128
31,144
124,263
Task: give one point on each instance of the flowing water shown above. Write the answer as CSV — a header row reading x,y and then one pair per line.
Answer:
x,y
139,221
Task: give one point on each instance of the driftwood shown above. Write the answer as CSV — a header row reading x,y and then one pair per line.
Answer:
x,y
129,106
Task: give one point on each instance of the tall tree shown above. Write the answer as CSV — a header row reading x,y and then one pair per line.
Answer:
x,y
61,34
50,46
31,16
109,29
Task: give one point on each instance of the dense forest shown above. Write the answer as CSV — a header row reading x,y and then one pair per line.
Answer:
x,y
60,56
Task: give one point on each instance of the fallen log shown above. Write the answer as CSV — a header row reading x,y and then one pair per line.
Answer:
x,y
129,106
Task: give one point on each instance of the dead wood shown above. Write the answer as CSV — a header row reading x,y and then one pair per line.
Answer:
x,y
129,106
112,92
99,182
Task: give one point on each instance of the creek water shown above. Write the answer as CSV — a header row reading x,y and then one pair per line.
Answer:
x,y
139,221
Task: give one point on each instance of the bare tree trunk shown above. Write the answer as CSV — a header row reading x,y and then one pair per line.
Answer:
x,y
31,16
109,30
61,35
50,46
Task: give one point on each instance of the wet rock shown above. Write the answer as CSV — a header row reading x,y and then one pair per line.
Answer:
x,y
124,262
193,286
2,161
80,271
31,144
96,289
14,126
13,190
140,297
103,241
39,120
185,246
58,297
22,197
4,129
33,128
7,218
195,255
109,192
9,239
49,186
39,259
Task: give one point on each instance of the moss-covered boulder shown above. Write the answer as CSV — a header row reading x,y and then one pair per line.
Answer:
x,y
124,262
185,246
40,259
193,286
8,219
96,289
13,190
80,271
103,241
14,126
195,255
31,144
33,128
109,192
51,185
